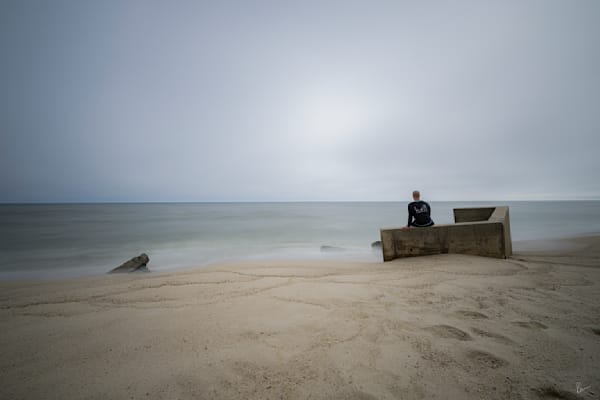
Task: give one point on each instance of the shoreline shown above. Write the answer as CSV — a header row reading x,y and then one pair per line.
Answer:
x,y
552,245
565,243
443,326
345,255
55,242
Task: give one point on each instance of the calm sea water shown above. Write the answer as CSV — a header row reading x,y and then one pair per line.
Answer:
x,y
69,240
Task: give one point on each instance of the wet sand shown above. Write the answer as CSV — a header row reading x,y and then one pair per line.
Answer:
x,y
439,327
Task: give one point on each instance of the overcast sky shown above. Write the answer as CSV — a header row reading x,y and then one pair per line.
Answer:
x,y
299,100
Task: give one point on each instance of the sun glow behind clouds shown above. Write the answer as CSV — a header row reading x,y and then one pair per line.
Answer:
x,y
327,118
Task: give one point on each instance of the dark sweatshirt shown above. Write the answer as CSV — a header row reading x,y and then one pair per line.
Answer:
x,y
420,211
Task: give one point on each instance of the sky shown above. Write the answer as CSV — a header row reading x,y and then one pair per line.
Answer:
x,y
299,100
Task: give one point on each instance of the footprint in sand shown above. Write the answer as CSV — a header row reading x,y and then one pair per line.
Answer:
x,y
471,314
486,359
596,331
354,395
492,335
530,324
548,393
449,332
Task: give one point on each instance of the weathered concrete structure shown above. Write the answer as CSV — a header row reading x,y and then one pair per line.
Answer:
x,y
477,231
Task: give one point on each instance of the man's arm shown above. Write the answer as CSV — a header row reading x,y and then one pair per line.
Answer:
x,y
409,218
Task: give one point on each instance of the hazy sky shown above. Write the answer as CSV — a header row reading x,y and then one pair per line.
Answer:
x,y
300,100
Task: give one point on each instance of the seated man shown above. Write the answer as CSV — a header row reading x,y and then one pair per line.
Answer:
x,y
419,212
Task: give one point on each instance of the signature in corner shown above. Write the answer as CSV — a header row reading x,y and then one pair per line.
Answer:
x,y
581,389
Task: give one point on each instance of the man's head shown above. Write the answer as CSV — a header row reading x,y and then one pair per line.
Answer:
x,y
416,195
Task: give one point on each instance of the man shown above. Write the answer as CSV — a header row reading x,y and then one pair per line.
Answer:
x,y
419,212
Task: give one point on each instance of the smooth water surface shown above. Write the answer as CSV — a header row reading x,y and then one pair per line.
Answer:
x,y
68,240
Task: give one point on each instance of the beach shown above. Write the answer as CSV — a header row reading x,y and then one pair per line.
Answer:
x,y
436,327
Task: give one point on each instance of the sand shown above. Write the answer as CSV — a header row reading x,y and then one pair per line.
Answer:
x,y
439,327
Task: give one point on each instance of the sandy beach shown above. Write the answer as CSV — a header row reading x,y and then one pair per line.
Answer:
x,y
438,327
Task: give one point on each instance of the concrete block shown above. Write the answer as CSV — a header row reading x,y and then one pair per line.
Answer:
x,y
473,214
479,231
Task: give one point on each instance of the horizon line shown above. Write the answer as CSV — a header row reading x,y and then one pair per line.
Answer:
x,y
281,201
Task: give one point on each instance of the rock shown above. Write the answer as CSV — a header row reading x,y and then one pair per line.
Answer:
x,y
376,245
135,264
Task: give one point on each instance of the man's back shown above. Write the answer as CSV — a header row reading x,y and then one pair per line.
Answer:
x,y
421,212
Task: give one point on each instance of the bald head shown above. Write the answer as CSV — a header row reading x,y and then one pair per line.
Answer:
x,y
416,195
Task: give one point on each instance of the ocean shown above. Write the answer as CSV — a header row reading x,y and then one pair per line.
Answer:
x,y
48,241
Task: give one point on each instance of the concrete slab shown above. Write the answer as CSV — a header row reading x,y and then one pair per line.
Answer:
x,y
483,231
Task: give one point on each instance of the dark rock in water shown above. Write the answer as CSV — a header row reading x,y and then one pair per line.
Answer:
x,y
376,245
135,264
332,248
